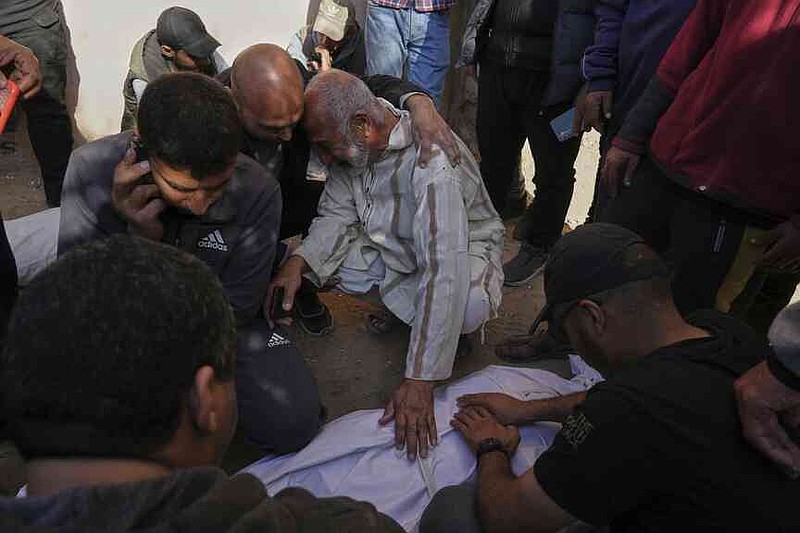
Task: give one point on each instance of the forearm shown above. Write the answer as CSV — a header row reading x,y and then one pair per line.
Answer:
x,y
500,498
551,409
393,90
641,122
601,59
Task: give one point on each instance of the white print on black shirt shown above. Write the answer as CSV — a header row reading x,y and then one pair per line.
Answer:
x,y
213,241
576,429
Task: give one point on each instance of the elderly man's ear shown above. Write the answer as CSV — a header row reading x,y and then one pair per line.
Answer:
x,y
361,127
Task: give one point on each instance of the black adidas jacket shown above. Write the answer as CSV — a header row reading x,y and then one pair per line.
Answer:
x,y
236,237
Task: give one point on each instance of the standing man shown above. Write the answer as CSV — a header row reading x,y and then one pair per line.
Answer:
x,y
179,43
716,191
528,55
410,39
38,25
630,40
335,38
426,240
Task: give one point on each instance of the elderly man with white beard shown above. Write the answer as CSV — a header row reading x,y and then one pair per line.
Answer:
x,y
427,239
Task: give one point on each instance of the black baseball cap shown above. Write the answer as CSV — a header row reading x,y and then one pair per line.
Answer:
x,y
181,29
590,260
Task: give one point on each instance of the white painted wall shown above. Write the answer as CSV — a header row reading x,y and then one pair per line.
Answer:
x,y
104,31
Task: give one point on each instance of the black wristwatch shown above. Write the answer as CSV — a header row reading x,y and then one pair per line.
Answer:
x,y
490,445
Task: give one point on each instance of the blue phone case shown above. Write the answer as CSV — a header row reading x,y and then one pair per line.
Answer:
x,y
562,125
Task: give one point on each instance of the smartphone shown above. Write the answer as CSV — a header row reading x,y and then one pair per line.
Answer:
x,y
141,155
562,125
8,99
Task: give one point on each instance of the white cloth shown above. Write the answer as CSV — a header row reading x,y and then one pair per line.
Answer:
x,y
34,241
355,457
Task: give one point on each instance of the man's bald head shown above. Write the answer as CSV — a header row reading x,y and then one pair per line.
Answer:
x,y
344,120
268,88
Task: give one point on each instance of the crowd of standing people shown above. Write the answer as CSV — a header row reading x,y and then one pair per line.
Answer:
x,y
160,321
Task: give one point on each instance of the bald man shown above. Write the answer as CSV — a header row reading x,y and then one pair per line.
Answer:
x,y
267,85
427,239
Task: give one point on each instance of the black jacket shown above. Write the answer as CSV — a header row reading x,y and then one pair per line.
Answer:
x,y
236,238
199,500
572,35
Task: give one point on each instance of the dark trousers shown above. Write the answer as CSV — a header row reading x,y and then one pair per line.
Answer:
x,y
279,405
452,510
510,111
49,125
707,244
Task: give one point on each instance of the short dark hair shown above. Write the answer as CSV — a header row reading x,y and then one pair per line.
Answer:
x,y
190,122
103,347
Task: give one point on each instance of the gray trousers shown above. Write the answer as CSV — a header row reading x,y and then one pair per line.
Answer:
x,y
279,405
452,510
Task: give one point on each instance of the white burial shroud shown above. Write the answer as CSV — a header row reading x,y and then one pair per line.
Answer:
x,y
355,457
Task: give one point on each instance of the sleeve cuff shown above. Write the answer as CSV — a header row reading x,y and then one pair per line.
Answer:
x,y
634,147
601,85
313,265
404,99
780,369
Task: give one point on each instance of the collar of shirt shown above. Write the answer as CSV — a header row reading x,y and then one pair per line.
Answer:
x,y
402,135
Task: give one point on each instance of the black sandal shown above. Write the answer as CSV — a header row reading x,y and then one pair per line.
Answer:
x,y
382,322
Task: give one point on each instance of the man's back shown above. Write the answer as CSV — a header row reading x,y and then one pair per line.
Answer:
x,y
659,446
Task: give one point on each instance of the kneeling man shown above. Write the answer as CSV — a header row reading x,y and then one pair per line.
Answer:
x,y
428,239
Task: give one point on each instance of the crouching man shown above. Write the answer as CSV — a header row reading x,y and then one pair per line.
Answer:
x,y
428,239
193,190
118,381
656,447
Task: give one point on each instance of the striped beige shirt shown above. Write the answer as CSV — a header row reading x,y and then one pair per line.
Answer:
x,y
434,228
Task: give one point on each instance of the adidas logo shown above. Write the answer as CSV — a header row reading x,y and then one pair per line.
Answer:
x,y
213,241
276,340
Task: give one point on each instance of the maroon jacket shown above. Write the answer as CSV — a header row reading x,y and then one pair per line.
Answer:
x,y
732,129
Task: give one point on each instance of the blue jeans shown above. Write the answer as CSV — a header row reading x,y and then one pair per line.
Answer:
x,y
407,44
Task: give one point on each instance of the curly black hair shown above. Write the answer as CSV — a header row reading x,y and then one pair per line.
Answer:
x,y
102,349
190,122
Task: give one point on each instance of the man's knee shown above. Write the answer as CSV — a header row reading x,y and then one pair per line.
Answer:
x,y
479,310
279,404
452,509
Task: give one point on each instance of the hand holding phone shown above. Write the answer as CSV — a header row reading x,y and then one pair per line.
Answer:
x,y
136,198
9,95
562,125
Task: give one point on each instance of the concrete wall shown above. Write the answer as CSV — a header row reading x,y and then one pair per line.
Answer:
x,y
104,31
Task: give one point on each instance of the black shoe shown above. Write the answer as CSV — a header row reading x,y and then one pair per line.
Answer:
x,y
310,313
525,266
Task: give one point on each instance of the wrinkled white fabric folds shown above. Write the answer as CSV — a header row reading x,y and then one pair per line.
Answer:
x,y
355,457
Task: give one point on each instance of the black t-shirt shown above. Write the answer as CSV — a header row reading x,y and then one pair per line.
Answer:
x,y
659,446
